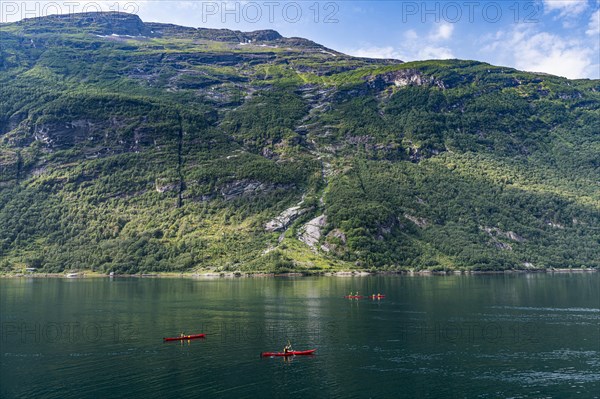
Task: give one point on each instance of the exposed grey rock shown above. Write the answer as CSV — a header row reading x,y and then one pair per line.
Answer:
x,y
335,234
421,222
284,219
494,232
310,233
502,245
203,198
268,153
555,225
162,187
241,188
404,77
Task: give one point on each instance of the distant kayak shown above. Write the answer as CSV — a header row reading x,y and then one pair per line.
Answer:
x,y
185,337
377,296
354,296
290,353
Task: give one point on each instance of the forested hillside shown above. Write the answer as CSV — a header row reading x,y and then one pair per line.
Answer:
x,y
134,147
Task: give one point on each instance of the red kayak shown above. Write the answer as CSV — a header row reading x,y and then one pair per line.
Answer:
x,y
185,337
377,296
290,353
354,297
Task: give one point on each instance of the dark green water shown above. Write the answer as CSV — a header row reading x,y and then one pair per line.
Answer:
x,y
488,336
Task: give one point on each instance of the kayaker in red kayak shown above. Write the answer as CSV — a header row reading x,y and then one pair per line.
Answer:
x,y
288,348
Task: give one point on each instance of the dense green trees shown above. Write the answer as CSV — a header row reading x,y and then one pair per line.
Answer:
x,y
171,154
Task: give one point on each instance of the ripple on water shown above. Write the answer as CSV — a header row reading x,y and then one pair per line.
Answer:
x,y
556,318
558,354
547,309
549,378
8,354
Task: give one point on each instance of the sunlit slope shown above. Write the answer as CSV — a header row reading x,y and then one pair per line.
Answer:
x,y
132,146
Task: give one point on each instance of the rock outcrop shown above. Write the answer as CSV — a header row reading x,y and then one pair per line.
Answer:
x,y
240,188
334,241
421,222
285,218
404,77
495,233
310,233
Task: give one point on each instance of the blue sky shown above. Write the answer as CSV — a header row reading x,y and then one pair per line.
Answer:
x,y
560,37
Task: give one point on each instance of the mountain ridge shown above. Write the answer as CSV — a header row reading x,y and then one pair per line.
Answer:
x,y
121,23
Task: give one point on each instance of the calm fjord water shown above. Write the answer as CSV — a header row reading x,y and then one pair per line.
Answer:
x,y
487,336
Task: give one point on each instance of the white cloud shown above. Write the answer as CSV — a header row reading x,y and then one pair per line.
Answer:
x,y
411,35
413,47
543,52
442,32
594,25
566,7
375,52
434,52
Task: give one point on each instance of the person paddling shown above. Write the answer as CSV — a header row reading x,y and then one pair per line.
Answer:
x,y
288,348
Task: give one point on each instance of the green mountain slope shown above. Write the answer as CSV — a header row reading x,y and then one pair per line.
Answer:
x,y
129,146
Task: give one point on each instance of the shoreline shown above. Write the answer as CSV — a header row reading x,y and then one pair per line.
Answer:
x,y
221,275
